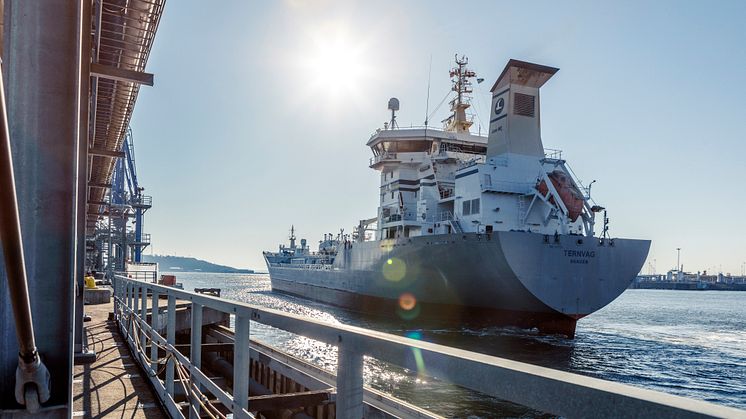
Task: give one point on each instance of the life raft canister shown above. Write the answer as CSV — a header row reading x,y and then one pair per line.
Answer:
x,y
570,195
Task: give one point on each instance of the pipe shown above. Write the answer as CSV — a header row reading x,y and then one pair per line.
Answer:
x,y
30,369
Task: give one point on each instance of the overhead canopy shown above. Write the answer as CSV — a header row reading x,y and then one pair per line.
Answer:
x,y
123,36
524,73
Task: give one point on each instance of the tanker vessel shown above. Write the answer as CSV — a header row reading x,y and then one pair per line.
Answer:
x,y
471,229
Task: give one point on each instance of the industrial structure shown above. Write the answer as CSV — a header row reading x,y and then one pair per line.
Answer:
x,y
72,72
119,236
70,201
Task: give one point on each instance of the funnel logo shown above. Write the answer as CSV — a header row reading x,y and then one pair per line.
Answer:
x,y
499,105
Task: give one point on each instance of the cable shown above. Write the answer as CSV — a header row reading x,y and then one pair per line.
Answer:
x,y
439,105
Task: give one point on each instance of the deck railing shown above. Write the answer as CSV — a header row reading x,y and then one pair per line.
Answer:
x,y
544,389
385,156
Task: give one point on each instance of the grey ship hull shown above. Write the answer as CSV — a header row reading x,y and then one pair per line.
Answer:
x,y
504,278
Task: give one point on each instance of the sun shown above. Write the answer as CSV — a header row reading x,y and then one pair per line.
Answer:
x,y
335,64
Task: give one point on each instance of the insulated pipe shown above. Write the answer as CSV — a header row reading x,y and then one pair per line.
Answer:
x,y
30,369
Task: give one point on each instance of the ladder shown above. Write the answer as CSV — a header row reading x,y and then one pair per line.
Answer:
x,y
456,225
521,211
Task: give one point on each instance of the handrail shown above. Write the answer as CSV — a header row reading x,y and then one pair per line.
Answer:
x,y
541,388
32,376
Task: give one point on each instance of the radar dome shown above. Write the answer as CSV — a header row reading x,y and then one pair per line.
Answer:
x,y
393,104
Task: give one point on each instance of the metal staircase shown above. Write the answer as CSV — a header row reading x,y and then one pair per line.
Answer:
x,y
456,226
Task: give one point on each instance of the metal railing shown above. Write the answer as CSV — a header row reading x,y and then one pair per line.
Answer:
x,y
144,238
143,200
393,218
438,217
471,162
552,153
385,156
544,389
148,276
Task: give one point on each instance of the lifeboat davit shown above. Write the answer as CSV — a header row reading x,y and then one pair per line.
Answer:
x,y
570,195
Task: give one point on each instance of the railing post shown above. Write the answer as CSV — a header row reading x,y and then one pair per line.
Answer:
x,y
155,324
133,312
171,339
241,363
349,382
143,317
115,289
135,298
128,295
195,354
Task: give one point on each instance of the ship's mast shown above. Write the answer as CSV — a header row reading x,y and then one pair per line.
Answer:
x,y
292,236
461,84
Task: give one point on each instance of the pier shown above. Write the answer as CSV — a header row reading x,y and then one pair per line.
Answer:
x,y
71,204
232,373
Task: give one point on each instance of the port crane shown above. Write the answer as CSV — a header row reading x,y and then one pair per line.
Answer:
x,y
121,237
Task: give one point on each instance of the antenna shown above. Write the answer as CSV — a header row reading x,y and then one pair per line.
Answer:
x,y
462,85
427,102
393,107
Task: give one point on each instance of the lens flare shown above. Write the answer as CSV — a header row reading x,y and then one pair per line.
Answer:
x,y
394,269
407,301
418,359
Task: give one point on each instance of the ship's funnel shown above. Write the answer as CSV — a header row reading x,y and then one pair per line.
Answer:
x,y
514,122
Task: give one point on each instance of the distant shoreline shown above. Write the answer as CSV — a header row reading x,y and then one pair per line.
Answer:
x,y
687,286
250,272
168,263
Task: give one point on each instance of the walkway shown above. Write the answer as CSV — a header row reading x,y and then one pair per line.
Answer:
x,y
112,386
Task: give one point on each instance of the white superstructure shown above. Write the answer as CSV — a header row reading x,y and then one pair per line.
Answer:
x,y
451,181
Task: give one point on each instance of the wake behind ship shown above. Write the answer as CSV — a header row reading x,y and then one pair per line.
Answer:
x,y
471,229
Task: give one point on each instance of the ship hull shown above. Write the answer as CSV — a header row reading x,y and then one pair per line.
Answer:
x,y
521,279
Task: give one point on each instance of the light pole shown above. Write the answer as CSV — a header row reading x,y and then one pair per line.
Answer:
x,y
678,259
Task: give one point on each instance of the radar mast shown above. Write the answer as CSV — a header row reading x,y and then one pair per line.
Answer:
x,y
461,84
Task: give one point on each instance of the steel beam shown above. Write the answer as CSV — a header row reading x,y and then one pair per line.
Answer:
x,y
99,185
80,347
105,153
120,74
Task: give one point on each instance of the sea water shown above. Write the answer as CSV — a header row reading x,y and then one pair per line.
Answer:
x,y
688,343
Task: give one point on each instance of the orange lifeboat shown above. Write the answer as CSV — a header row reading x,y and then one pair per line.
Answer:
x,y
570,195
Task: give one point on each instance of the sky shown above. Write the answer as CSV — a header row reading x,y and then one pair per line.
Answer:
x,y
261,110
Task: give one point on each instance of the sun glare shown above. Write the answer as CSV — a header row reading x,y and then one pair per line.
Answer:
x,y
335,64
